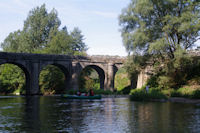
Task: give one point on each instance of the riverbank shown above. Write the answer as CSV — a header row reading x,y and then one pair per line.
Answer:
x,y
177,100
171,99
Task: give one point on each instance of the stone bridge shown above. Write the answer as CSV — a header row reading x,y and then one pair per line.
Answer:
x,y
32,65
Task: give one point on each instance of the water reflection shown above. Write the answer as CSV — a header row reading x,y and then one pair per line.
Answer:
x,y
166,118
54,114
31,115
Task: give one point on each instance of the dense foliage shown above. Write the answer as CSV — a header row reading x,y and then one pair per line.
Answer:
x,y
159,34
160,27
157,94
41,33
11,78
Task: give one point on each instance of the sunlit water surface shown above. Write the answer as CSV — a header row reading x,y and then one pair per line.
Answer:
x,y
108,115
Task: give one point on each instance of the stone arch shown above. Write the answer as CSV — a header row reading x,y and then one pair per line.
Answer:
x,y
63,68
25,70
101,73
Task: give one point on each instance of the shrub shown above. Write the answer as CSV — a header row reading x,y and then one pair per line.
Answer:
x,y
138,95
142,95
195,94
125,90
152,81
186,92
165,82
175,93
156,94
167,92
105,92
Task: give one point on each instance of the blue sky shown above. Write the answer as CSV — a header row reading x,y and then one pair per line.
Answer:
x,y
97,19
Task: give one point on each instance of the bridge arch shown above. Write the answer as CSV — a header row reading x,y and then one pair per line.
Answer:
x,y
100,71
24,69
63,68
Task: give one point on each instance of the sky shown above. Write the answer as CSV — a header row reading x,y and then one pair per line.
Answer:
x,y
97,19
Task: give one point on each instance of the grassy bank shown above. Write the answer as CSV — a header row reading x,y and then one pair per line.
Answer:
x,y
143,95
155,93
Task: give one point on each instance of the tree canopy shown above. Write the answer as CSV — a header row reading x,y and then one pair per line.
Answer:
x,y
159,33
160,27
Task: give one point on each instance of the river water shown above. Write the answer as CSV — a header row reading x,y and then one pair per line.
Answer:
x,y
43,114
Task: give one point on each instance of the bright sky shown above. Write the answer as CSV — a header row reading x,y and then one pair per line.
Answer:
x,y
97,19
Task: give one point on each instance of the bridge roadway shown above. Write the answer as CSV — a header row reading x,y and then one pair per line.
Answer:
x,y
71,66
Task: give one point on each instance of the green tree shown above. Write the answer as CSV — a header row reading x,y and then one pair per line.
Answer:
x,y
52,80
160,27
64,43
12,78
77,41
41,33
160,32
61,43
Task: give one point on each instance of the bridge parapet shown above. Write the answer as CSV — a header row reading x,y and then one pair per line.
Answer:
x,y
107,59
31,56
93,58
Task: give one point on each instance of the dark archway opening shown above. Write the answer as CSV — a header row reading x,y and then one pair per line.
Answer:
x,y
53,79
92,77
14,79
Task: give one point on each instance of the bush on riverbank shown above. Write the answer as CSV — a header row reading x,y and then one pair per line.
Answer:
x,y
187,93
143,95
156,93
104,92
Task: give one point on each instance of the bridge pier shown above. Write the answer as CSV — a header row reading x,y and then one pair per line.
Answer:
x,y
74,74
73,83
109,79
32,84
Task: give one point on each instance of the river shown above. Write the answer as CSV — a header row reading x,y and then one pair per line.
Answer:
x,y
46,114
